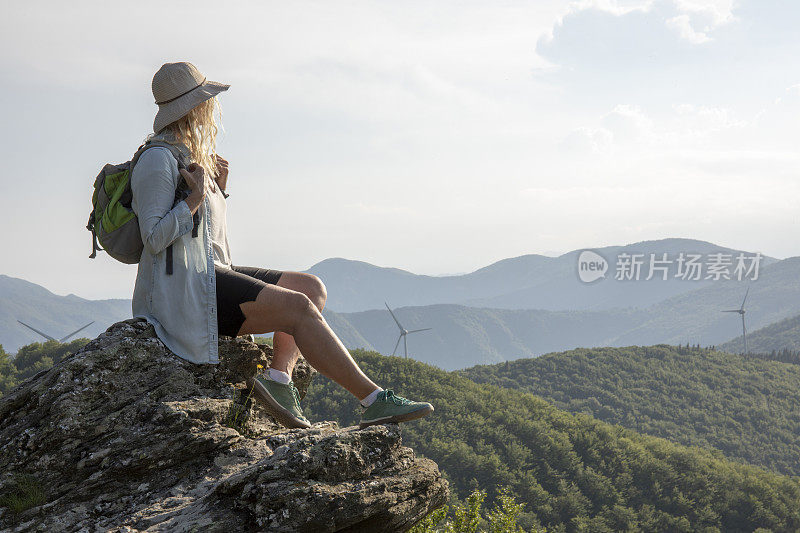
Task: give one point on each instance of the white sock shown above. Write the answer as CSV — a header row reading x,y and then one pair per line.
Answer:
x,y
371,397
279,376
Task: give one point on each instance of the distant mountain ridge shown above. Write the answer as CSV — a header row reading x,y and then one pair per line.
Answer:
x,y
465,336
51,313
478,317
525,282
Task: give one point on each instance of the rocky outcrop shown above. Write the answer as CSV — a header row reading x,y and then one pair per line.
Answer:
x,y
125,436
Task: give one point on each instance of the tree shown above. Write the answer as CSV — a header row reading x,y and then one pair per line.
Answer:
x,y
469,517
8,372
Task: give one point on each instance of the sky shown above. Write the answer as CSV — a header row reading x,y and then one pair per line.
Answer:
x,y
437,137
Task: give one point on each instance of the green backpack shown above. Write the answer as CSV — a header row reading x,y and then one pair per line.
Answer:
x,y
112,221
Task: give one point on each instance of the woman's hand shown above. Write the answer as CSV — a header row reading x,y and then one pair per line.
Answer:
x,y
199,182
222,173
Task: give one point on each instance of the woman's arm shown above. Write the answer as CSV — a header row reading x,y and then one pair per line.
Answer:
x,y
153,188
222,173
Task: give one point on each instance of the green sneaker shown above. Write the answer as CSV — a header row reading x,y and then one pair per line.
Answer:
x,y
388,407
281,401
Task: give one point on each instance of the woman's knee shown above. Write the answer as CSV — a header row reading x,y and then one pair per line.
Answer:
x,y
301,309
312,286
319,293
308,284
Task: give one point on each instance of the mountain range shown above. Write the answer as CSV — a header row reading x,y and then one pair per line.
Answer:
x,y
465,336
519,307
53,314
525,282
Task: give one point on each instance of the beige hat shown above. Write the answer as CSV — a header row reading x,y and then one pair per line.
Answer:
x,y
177,88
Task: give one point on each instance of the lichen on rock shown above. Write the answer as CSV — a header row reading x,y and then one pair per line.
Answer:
x,y
125,436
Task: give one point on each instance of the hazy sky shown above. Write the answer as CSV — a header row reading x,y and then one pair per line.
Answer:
x,y
432,136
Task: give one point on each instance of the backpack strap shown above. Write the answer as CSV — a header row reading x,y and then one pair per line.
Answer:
x,y
174,150
178,155
90,227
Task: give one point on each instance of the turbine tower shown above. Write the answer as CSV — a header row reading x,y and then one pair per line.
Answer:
x,y
741,312
48,337
403,332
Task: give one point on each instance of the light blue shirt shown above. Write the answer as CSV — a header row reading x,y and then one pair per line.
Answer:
x,y
182,306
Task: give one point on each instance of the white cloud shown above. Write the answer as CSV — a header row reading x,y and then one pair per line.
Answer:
x,y
588,140
697,120
628,123
682,25
615,7
607,33
712,13
718,12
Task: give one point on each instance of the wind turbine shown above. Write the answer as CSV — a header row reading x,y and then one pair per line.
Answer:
x,y
48,337
741,312
403,333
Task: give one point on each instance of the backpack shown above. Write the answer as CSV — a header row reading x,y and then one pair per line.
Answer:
x,y
112,221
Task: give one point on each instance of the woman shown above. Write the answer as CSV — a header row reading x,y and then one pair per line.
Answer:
x,y
186,285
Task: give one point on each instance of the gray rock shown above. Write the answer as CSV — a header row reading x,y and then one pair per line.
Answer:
x,y
124,436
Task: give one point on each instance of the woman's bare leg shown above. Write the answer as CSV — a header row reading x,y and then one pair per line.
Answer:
x,y
280,309
284,348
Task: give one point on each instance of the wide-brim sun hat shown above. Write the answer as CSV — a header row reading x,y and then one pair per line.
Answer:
x,y
177,88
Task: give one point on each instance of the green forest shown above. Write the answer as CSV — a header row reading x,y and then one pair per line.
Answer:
x,y
32,359
571,471
745,406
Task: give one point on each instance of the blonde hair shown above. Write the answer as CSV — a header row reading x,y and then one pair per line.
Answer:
x,y
198,131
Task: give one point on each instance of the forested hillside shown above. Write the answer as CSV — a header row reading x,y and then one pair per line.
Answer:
x,y
748,408
573,472
780,336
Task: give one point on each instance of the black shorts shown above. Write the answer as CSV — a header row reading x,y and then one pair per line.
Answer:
x,y
237,285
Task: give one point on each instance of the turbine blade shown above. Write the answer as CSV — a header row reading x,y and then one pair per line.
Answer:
x,y
399,325
45,335
745,297
76,331
423,329
730,311
396,344
405,345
